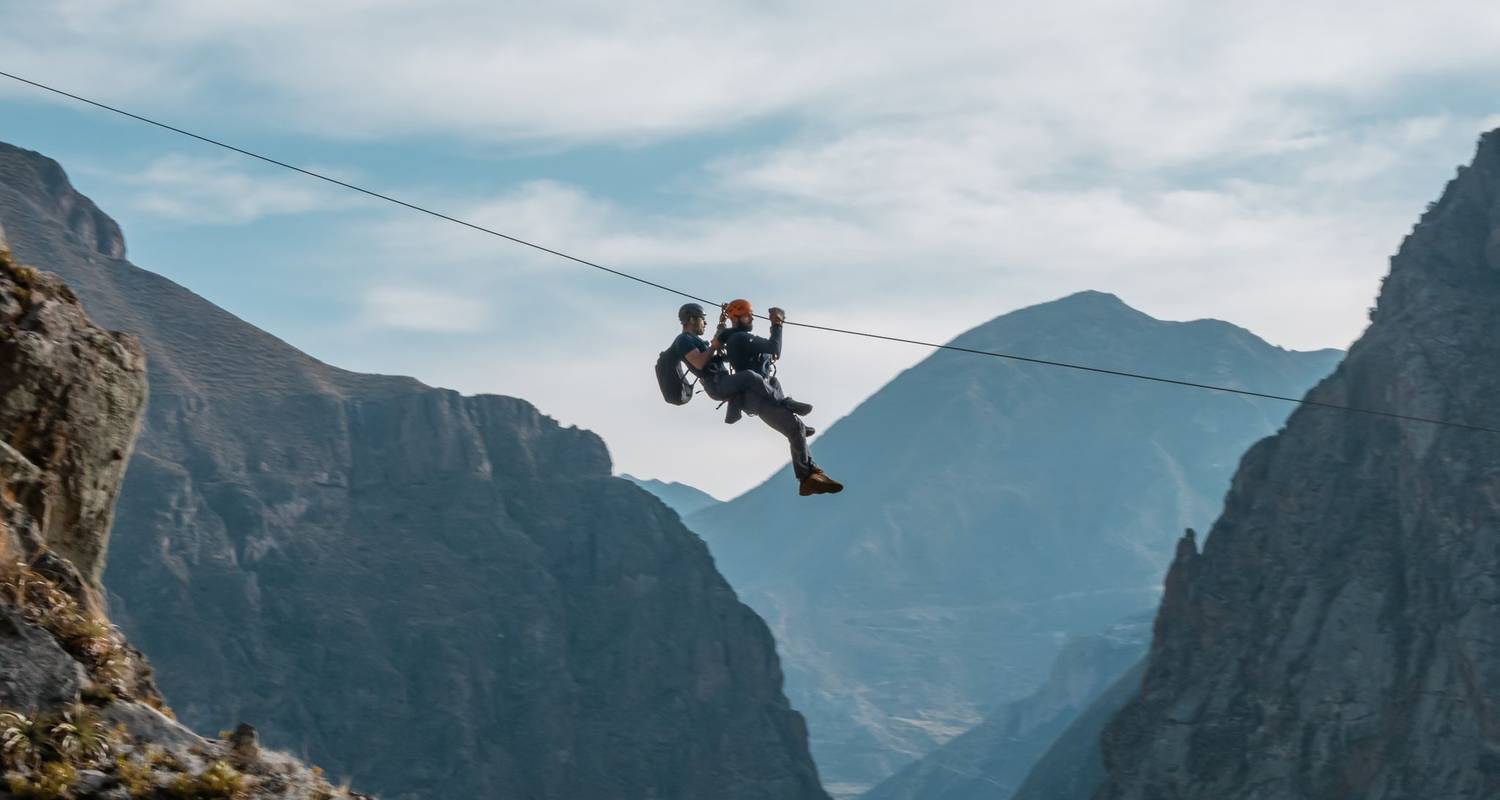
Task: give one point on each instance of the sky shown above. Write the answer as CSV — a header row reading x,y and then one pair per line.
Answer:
x,y
912,170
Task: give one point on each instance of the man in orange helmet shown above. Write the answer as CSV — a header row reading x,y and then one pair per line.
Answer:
x,y
751,354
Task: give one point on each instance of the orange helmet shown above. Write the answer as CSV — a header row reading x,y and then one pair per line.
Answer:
x,y
739,308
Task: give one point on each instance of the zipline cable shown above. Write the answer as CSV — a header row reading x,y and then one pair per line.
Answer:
x,y
934,345
360,189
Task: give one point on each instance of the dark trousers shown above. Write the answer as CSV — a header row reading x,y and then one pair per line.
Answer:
x,y
763,399
743,383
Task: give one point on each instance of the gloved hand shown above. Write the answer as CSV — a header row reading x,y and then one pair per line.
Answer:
x,y
776,315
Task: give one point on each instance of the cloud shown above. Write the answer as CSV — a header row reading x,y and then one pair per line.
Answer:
x,y
920,169
222,191
423,309
1162,82
937,228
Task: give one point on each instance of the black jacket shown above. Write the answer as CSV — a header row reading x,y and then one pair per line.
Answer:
x,y
745,350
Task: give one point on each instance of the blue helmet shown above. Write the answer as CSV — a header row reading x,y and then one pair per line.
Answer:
x,y
688,311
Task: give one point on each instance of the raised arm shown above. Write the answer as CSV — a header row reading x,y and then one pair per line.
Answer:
x,y
771,346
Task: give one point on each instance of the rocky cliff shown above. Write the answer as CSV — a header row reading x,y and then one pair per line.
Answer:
x,y
1335,638
80,715
993,509
441,596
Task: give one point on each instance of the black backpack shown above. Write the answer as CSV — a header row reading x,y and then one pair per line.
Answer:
x,y
671,376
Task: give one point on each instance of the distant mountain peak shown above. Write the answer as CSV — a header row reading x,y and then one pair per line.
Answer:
x,y
1087,310
1088,301
43,182
1094,297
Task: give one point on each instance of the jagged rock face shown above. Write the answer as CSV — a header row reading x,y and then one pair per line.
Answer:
x,y
1336,637
440,596
991,761
71,397
992,508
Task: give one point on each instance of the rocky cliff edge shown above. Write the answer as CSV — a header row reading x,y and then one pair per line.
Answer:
x,y
80,714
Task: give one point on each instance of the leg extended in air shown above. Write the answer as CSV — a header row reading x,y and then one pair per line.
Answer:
x,y
810,478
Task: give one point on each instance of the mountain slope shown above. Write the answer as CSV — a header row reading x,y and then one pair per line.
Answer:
x,y
990,761
1073,768
1335,637
680,497
992,508
442,596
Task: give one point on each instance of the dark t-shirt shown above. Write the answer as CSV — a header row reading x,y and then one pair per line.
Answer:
x,y
688,343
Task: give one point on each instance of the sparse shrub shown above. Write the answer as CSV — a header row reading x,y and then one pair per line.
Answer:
x,y
219,782
95,642
17,577
24,277
81,738
23,740
157,756
53,781
136,776
43,752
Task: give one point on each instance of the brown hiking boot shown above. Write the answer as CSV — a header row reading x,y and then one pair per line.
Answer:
x,y
819,483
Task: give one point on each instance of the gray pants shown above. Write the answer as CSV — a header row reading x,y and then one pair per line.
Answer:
x,y
762,398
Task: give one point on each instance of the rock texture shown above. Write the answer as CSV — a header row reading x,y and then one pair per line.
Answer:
x,y
990,761
71,408
993,509
1336,636
71,397
440,596
80,715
